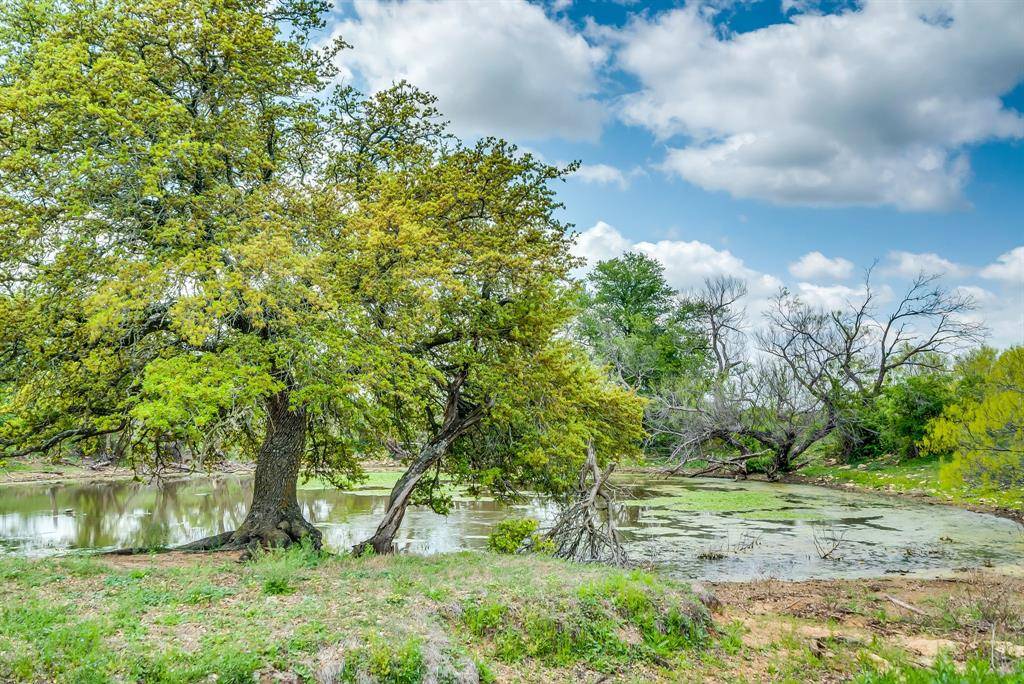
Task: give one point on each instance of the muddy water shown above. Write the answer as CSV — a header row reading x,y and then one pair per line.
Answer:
x,y
712,529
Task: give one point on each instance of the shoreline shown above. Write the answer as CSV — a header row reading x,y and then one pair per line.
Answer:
x,y
49,473
923,497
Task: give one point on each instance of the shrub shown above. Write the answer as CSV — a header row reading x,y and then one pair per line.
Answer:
x,y
985,429
510,535
380,661
894,422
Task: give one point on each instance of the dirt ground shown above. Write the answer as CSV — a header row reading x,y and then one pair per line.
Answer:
x,y
968,613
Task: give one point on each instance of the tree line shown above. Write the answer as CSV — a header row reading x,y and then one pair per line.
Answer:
x,y
899,379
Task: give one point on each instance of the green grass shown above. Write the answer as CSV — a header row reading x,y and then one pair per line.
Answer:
x,y
399,619
918,476
391,618
378,481
943,671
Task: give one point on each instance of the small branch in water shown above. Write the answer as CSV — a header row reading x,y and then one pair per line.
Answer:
x,y
827,545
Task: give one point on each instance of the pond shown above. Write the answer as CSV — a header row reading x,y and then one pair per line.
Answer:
x,y
702,528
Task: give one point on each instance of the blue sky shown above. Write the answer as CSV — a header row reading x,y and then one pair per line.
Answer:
x,y
741,136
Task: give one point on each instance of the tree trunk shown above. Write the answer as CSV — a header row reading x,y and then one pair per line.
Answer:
x,y
455,423
274,517
782,461
383,539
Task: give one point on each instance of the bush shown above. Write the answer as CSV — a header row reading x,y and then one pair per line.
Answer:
x,y
895,422
278,570
985,428
616,620
904,409
511,534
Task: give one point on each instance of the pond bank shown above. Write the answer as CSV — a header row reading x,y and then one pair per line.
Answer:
x,y
46,472
917,478
887,489
292,616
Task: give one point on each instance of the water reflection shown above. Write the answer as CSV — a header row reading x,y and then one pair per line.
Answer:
x,y
665,522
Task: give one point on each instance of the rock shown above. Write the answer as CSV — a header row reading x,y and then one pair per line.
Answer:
x,y
1008,649
707,597
928,648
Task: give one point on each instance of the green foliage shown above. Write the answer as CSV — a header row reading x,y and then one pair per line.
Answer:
x,y
984,428
192,224
591,626
895,421
510,534
976,671
631,291
182,270
538,432
906,407
386,663
637,325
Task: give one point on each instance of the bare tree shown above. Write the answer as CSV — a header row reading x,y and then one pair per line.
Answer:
x,y
762,411
723,319
813,365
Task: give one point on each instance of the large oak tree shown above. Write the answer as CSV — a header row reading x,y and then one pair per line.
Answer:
x,y
203,248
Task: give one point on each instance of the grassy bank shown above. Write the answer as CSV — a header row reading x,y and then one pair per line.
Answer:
x,y
458,617
918,477
46,470
67,470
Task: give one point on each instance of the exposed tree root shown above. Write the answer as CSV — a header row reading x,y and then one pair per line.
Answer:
x,y
585,529
137,550
213,543
245,539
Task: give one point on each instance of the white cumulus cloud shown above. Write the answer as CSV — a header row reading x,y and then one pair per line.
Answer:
x,y
600,242
871,106
913,264
602,174
497,68
687,263
1008,267
817,266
